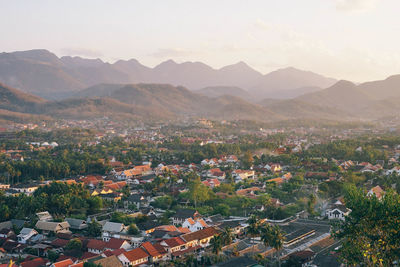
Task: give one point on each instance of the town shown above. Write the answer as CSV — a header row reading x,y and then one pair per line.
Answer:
x,y
202,193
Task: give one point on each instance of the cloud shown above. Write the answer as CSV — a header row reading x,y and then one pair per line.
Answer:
x,y
355,5
172,52
76,51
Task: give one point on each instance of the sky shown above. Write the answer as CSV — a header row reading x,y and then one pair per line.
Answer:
x,y
357,40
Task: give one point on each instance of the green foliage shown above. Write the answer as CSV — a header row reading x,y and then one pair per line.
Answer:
x,y
199,193
133,230
120,217
371,232
163,202
94,229
56,197
222,209
74,244
52,255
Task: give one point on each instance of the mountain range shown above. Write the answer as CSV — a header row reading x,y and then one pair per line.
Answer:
x,y
344,101
42,73
50,87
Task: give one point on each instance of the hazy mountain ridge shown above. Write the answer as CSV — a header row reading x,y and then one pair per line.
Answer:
x,y
43,73
217,91
137,102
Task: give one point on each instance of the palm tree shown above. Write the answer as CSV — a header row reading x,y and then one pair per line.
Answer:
x,y
253,228
274,237
266,234
227,236
277,241
216,243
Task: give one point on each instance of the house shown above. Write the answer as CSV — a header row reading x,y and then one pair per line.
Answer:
x,y
55,227
76,224
63,263
273,167
338,212
182,214
216,173
6,233
199,238
249,192
115,243
44,216
96,246
209,162
377,191
235,225
28,189
156,251
135,257
25,234
112,229
36,262
211,182
173,244
111,261
395,169
136,199
241,175
3,253
194,224
136,171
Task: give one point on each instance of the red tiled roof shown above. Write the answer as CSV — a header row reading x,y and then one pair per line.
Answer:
x,y
167,228
199,235
34,263
115,243
183,230
96,244
174,242
59,242
183,252
88,255
136,254
154,250
64,263
116,252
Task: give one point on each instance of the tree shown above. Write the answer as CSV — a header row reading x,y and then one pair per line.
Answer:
x,y
52,255
198,192
272,236
216,244
126,191
370,233
94,228
253,229
91,264
74,244
311,204
133,230
247,160
222,209
227,236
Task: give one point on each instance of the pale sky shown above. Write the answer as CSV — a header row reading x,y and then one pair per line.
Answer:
x,y
358,40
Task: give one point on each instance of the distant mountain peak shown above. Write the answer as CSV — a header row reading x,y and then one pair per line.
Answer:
x,y
343,83
241,65
168,62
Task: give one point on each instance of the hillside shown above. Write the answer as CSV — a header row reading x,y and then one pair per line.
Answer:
x,y
367,100
217,91
343,95
18,101
288,79
293,108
